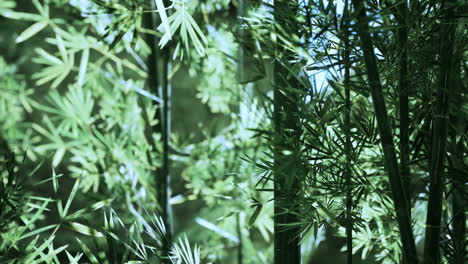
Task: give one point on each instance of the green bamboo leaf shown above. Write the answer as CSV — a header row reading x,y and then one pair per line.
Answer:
x,y
175,19
183,31
38,250
50,59
22,16
65,71
85,230
55,183
36,216
31,31
58,157
253,218
70,198
48,74
88,209
88,252
61,77
176,52
75,259
43,10
51,254
37,231
195,32
61,47
6,4
163,16
208,225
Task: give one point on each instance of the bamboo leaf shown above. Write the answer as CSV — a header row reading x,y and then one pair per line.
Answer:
x,y
37,231
31,31
61,47
50,58
22,16
70,198
208,225
40,249
83,66
88,252
44,11
253,218
85,230
58,157
75,259
163,16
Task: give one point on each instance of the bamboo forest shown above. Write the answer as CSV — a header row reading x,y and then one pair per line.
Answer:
x,y
233,131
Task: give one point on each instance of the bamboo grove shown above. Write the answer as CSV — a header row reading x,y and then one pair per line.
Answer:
x,y
233,131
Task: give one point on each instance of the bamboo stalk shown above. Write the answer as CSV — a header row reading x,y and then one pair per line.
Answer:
x,y
459,221
164,178
287,133
240,254
439,136
347,124
386,137
158,82
458,186
403,86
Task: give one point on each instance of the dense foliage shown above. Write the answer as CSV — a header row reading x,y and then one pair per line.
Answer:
x,y
153,131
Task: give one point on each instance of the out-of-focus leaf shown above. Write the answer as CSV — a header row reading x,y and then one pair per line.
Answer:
x,y
71,197
88,252
85,230
31,31
188,27
21,16
75,259
37,231
58,156
215,228
163,16
83,66
253,218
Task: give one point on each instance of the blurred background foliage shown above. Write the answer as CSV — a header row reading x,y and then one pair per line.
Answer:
x,y
78,155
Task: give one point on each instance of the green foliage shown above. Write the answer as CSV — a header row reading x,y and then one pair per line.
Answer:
x,y
75,96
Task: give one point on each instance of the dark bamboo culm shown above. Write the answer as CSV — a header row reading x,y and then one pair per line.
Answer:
x,y
158,82
439,135
386,137
403,86
287,133
347,127
457,169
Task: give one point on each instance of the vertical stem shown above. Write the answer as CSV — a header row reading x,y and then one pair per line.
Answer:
x,y
164,178
158,82
347,124
243,60
240,256
402,14
458,186
459,221
240,71
439,136
287,133
386,137
240,55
